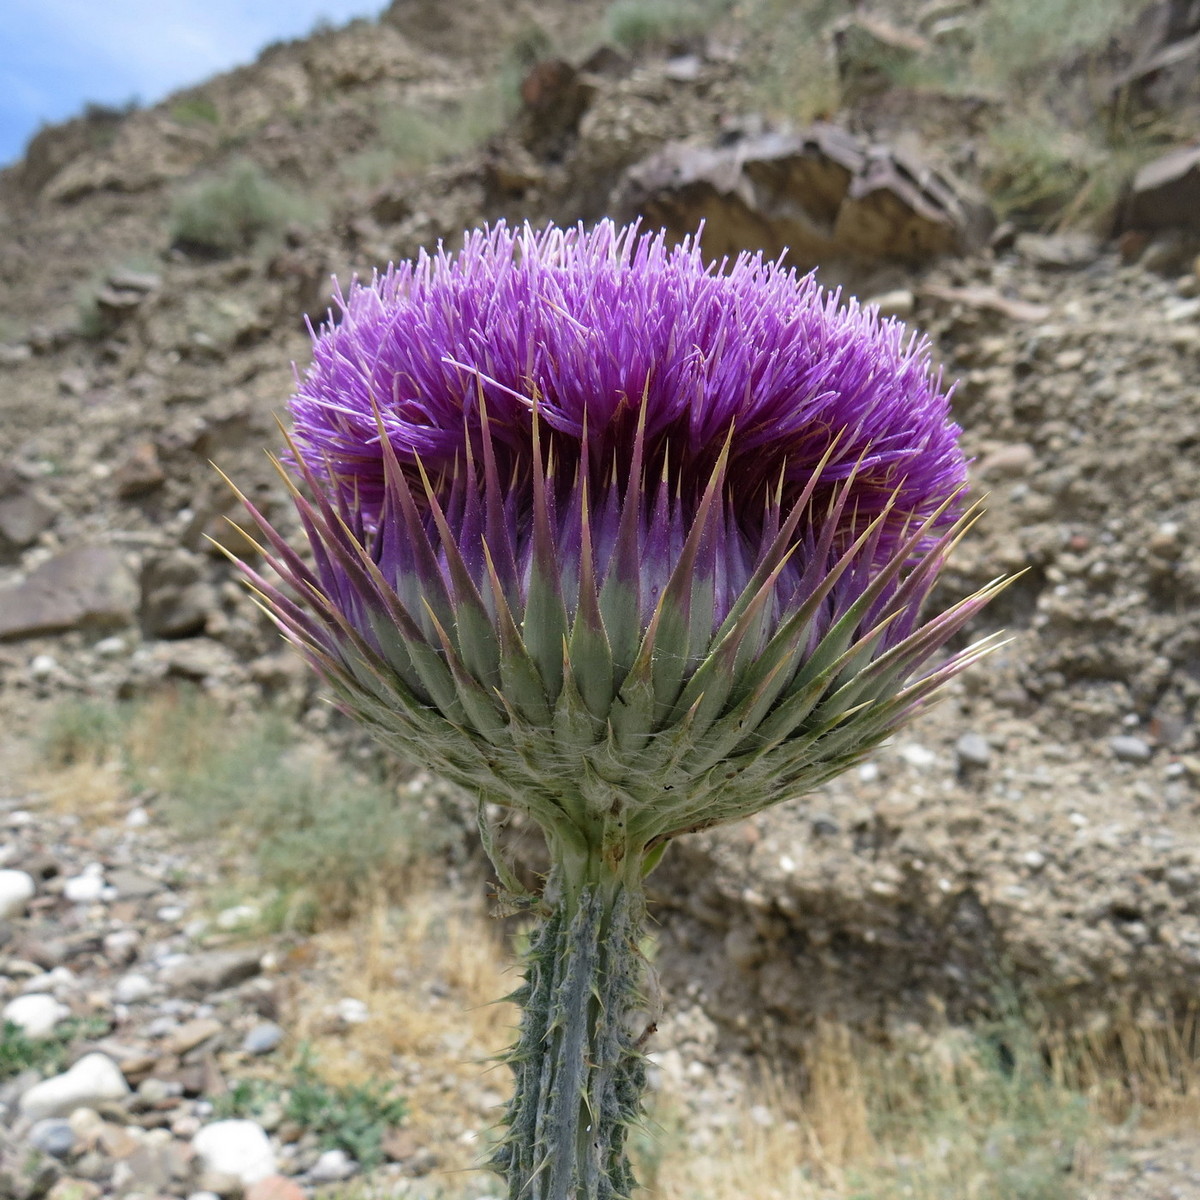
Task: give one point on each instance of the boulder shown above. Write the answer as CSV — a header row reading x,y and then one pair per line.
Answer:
x,y
1165,193
823,195
87,585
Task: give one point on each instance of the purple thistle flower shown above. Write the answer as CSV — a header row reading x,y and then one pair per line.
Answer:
x,y
598,332
627,543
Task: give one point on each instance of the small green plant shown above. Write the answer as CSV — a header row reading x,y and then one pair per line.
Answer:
x,y
195,110
640,24
1018,36
234,211
352,1118
19,1052
82,732
247,1098
798,80
413,138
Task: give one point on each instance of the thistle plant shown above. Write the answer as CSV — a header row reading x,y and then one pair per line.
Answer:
x,y
630,545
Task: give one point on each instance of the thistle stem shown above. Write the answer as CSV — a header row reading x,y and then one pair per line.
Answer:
x,y
579,1075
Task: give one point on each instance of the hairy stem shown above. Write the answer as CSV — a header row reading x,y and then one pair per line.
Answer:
x,y
579,1075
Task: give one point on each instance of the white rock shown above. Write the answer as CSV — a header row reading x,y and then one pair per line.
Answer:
x,y
92,1081
86,888
133,989
36,1014
237,1147
352,1010
238,915
42,666
61,981
332,1166
917,755
16,890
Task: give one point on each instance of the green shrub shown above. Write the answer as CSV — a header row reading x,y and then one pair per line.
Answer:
x,y
82,731
638,24
234,211
327,838
411,139
195,110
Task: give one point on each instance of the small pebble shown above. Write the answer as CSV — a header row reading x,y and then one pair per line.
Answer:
x,y
1127,748
332,1166
53,1136
42,666
263,1038
973,750
85,888
132,989
352,1011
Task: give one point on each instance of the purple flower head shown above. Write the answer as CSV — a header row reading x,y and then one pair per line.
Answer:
x,y
592,519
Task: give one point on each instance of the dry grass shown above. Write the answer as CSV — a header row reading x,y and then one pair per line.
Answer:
x,y
323,835
430,975
999,1113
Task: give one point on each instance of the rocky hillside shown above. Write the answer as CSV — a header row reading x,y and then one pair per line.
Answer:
x,y
1035,836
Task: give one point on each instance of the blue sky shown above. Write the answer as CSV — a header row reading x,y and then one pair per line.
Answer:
x,y
56,55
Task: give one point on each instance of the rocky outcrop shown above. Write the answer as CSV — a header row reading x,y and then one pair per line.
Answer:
x,y
822,196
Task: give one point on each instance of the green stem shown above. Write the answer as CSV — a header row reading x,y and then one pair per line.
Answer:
x,y
579,1074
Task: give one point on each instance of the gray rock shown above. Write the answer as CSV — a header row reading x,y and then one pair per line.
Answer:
x,y
176,595
23,513
1058,251
88,585
94,1080
16,890
1127,748
53,1136
263,1038
199,974
127,280
973,750
133,885
132,989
